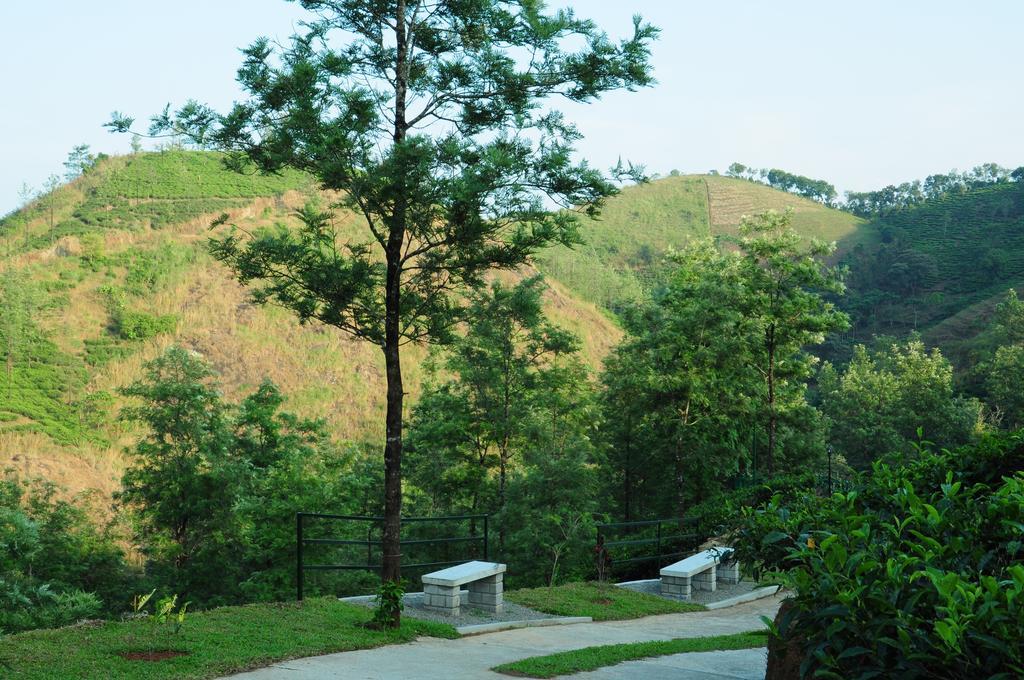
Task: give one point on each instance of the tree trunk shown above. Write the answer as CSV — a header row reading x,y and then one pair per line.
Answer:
x,y
391,568
772,418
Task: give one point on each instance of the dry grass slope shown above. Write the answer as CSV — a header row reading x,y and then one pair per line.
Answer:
x,y
323,372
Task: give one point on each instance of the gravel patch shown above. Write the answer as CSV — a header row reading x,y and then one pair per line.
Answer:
x,y
468,616
723,591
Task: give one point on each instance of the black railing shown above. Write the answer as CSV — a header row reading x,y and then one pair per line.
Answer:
x,y
432,550
656,540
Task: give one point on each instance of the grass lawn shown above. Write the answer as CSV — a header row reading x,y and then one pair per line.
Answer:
x,y
217,642
591,658
602,601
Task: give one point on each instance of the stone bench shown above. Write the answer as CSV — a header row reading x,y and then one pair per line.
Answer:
x,y
484,579
702,571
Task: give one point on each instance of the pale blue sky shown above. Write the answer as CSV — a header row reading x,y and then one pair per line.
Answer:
x,y
859,93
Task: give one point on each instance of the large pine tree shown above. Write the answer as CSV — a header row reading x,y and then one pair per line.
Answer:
x,y
433,120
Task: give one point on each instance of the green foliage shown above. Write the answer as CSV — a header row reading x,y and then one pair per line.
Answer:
x,y
478,421
40,385
719,359
592,658
388,606
215,488
551,499
149,271
882,401
182,480
1003,383
142,326
915,574
148,190
1003,371
601,601
134,325
814,189
290,467
218,642
169,616
79,162
947,253
56,564
101,351
194,175
785,286
678,390
26,605
509,433
893,199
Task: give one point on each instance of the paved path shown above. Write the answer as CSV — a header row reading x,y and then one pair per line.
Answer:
x,y
470,658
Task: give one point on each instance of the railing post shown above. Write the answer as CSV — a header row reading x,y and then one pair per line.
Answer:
x,y
298,556
486,537
659,544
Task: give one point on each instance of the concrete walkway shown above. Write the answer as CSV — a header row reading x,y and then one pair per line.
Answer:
x,y
470,658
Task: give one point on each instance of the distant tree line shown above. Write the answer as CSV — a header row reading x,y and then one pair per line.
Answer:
x,y
815,189
884,200
908,194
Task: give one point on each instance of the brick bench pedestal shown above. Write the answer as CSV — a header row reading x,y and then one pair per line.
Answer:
x,y
485,583
702,571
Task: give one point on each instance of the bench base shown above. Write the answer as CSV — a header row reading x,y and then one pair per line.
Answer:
x,y
677,588
486,594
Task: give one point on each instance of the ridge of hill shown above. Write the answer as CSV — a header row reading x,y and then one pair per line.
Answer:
x,y
626,243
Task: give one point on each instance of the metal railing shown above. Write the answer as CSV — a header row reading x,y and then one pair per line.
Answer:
x,y
654,540
473,539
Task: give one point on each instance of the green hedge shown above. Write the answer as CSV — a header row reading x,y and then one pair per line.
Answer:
x,y
916,573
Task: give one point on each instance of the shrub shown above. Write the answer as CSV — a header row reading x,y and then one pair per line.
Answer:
x,y
142,326
56,562
914,574
25,606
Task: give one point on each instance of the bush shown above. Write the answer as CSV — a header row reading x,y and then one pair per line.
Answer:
x,y
56,562
24,606
142,326
914,574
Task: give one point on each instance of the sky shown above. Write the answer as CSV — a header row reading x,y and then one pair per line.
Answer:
x,y
862,94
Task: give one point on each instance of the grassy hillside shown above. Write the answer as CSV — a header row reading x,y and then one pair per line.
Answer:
x,y
627,243
101,275
939,268
106,272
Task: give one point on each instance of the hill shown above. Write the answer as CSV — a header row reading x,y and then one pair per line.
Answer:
x,y
626,244
940,267
104,273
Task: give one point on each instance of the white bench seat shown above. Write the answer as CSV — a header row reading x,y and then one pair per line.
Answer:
x,y
486,587
702,571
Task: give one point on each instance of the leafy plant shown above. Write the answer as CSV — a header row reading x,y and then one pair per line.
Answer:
x,y
165,616
916,573
388,604
26,605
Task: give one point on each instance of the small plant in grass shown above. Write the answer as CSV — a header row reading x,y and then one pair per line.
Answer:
x,y
389,604
166,618
137,613
164,624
